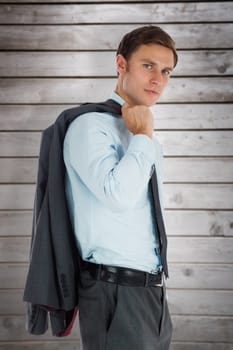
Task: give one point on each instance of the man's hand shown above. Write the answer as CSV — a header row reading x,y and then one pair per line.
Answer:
x,y
138,119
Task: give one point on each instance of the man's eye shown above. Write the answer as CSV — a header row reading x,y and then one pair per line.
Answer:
x,y
166,72
147,66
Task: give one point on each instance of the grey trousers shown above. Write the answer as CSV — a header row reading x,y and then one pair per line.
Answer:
x,y
115,317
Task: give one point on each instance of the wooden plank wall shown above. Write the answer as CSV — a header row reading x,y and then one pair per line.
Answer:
x,y
58,53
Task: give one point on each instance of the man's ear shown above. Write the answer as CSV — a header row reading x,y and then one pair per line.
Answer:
x,y
121,64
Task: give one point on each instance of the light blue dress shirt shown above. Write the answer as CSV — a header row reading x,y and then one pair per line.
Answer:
x,y
108,170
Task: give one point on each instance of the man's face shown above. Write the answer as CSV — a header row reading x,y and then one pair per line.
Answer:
x,y
144,76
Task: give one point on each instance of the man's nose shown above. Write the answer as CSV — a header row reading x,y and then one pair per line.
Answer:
x,y
156,78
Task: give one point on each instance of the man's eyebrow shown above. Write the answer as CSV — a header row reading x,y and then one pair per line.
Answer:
x,y
148,60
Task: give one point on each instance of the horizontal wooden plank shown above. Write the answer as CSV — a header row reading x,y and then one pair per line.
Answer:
x,y
199,223
18,170
166,116
199,249
11,302
116,13
175,143
196,143
19,144
194,249
198,169
16,223
102,64
209,62
182,302
14,249
77,90
200,276
202,328
200,302
49,345
83,1
181,276
107,37
197,328
17,196
195,346
13,275
178,223
176,196
198,196
191,169
74,345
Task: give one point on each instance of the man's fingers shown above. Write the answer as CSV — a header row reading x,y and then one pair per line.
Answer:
x,y
125,107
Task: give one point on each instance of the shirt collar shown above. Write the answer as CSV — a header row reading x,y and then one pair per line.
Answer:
x,y
117,98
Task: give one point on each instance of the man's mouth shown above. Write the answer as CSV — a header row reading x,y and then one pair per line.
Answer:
x,y
152,92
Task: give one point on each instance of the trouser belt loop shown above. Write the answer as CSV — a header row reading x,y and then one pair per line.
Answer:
x,y
146,279
98,275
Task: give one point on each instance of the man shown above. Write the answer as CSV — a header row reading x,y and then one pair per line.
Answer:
x,y
109,162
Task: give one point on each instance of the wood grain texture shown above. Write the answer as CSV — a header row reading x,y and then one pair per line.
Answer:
x,y
203,250
196,143
75,345
16,223
13,275
198,196
183,301
33,90
107,37
22,143
51,345
181,276
198,328
55,54
200,302
102,64
200,346
181,249
199,223
176,196
202,328
17,197
18,170
193,169
166,116
178,222
116,13
83,1
177,169
200,276
175,143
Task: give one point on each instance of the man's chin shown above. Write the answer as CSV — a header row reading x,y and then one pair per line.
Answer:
x,y
151,103
145,102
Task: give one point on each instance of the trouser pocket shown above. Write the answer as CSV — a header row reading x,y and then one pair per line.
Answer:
x,y
165,323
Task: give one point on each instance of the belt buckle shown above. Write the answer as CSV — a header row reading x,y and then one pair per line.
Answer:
x,y
162,281
146,283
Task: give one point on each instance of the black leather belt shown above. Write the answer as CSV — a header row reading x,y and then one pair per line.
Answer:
x,y
123,276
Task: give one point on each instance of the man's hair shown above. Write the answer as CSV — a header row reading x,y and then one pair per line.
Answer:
x,y
144,36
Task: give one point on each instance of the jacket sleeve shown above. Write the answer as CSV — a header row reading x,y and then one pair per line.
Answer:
x,y
36,319
38,316
51,275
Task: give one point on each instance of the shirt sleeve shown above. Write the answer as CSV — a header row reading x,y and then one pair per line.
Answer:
x,y
118,181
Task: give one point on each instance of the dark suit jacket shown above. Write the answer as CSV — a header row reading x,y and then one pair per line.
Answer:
x,y
52,280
